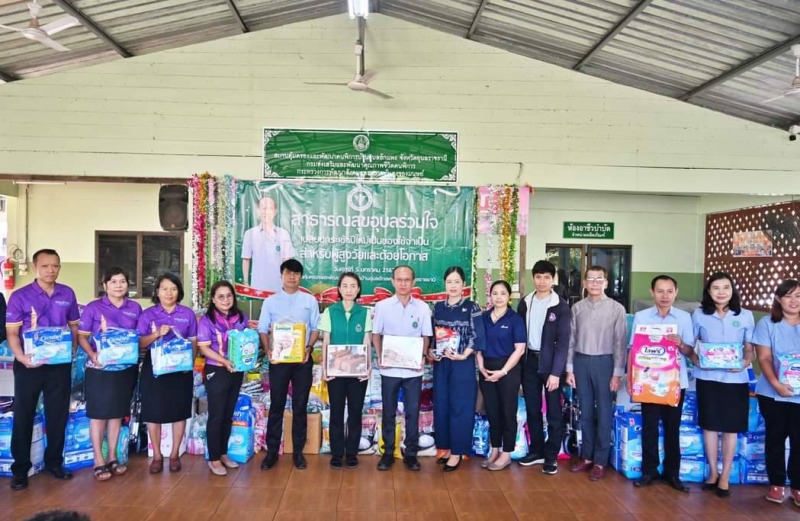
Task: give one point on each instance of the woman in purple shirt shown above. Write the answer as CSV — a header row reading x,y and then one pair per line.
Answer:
x,y
168,398
108,389
222,383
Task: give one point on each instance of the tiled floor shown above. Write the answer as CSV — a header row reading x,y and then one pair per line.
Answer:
x,y
319,493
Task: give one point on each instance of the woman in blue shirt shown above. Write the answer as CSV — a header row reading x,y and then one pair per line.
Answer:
x,y
500,373
778,336
722,395
458,326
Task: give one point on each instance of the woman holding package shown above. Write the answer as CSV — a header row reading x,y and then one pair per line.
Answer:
x,y
109,387
500,373
221,381
777,338
458,333
166,398
722,394
346,323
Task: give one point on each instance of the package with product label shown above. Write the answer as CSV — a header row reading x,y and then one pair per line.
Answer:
x,y
691,440
166,441
753,472
693,468
789,370
349,360
288,343
447,341
117,347
48,345
77,436
171,356
480,436
6,354
752,445
689,411
755,421
655,365
715,355
370,423
325,419
243,349
37,444
402,352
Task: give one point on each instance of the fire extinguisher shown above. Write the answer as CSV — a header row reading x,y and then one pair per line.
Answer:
x,y
8,273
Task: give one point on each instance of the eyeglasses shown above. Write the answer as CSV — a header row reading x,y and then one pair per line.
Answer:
x,y
598,280
224,296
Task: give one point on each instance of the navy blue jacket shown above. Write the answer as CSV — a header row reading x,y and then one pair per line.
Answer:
x,y
555,334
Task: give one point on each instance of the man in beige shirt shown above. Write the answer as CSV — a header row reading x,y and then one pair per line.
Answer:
x,y
595,366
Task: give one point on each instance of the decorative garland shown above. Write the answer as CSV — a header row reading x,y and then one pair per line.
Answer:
x,y
498,224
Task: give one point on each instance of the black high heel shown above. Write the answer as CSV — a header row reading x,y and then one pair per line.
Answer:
x,y
448,468
707,487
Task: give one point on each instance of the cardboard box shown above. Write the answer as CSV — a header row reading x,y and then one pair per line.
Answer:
x,y
313,438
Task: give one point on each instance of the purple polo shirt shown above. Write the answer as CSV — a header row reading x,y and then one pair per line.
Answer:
x,y
123,317
181,318
57,310
211,333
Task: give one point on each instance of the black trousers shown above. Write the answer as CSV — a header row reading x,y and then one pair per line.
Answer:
x,y
222,388
390,388
54,381
279,377
501,399
671,418
351,391
533,384
782,420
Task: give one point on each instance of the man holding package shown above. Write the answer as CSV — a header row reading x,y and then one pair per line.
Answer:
x,y
595,365
46,307
288,331
401,333
665,290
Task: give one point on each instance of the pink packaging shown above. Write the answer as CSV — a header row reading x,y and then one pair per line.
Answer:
x,y
654,368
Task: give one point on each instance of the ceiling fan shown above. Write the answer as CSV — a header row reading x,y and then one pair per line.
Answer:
x,y
794,89
43,33
363,77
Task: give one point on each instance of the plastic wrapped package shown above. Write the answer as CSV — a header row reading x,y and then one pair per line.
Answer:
x,y
521,442
122,445
398,436
241,444
260,427
325,447
196,434
480,436
370,425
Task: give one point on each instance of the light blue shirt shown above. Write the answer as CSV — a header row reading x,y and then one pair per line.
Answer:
x,y
297,308
393,318
679,317
537,312
782,339
728,329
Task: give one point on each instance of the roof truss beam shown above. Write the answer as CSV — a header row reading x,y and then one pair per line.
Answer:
x,y
477,18
67,6
610,35
237,15
743,67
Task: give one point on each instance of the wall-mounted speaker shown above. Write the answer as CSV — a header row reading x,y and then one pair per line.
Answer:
x,y
173,207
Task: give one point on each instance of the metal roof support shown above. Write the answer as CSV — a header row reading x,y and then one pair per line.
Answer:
x,y
91,26
237,15
478,13
7,77
743,67
628,18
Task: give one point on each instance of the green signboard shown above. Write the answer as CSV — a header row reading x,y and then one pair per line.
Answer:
x,y
360,155
588,230
365,228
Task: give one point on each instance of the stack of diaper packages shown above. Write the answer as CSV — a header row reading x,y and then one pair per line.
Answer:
x,y
693,459
78,451
626,453
751,448
37,440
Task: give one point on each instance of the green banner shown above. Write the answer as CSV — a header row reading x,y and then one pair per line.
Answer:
x,y
588,230
360,155
369,229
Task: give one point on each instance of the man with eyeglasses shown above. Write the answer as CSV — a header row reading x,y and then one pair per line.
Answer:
x,y
595,366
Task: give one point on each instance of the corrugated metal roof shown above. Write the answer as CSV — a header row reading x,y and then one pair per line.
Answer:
x,y
726,55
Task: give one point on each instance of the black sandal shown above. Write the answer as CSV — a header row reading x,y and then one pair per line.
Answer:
x,y
102,473
117,468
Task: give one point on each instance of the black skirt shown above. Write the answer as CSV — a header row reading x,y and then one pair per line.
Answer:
x,y
109,393
722,407
166,398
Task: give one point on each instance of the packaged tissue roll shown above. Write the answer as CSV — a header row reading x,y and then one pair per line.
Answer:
x,y
243,349
117,347
720,355
789,370
172,356
288,343
48,345
655,366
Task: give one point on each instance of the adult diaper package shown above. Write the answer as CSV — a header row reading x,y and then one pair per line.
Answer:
x,y
78,459
692,469
117,347
751,445
720,355
288,343
37,444
789,370
755,422
196,434
689,411
655,365
122,445
171,356
241,444
691,440
521,442
77,437
480,436
6,354
48,345
243,349
370,423
736,476
753,472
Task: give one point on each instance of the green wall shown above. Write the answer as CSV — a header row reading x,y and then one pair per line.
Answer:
x,y
690,285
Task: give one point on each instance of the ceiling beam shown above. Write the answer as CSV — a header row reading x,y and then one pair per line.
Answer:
x,y
477,18
743,67
91,26
628,18
237,15
7,77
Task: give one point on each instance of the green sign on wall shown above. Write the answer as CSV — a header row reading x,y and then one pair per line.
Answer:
x,y
588,230
360,155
